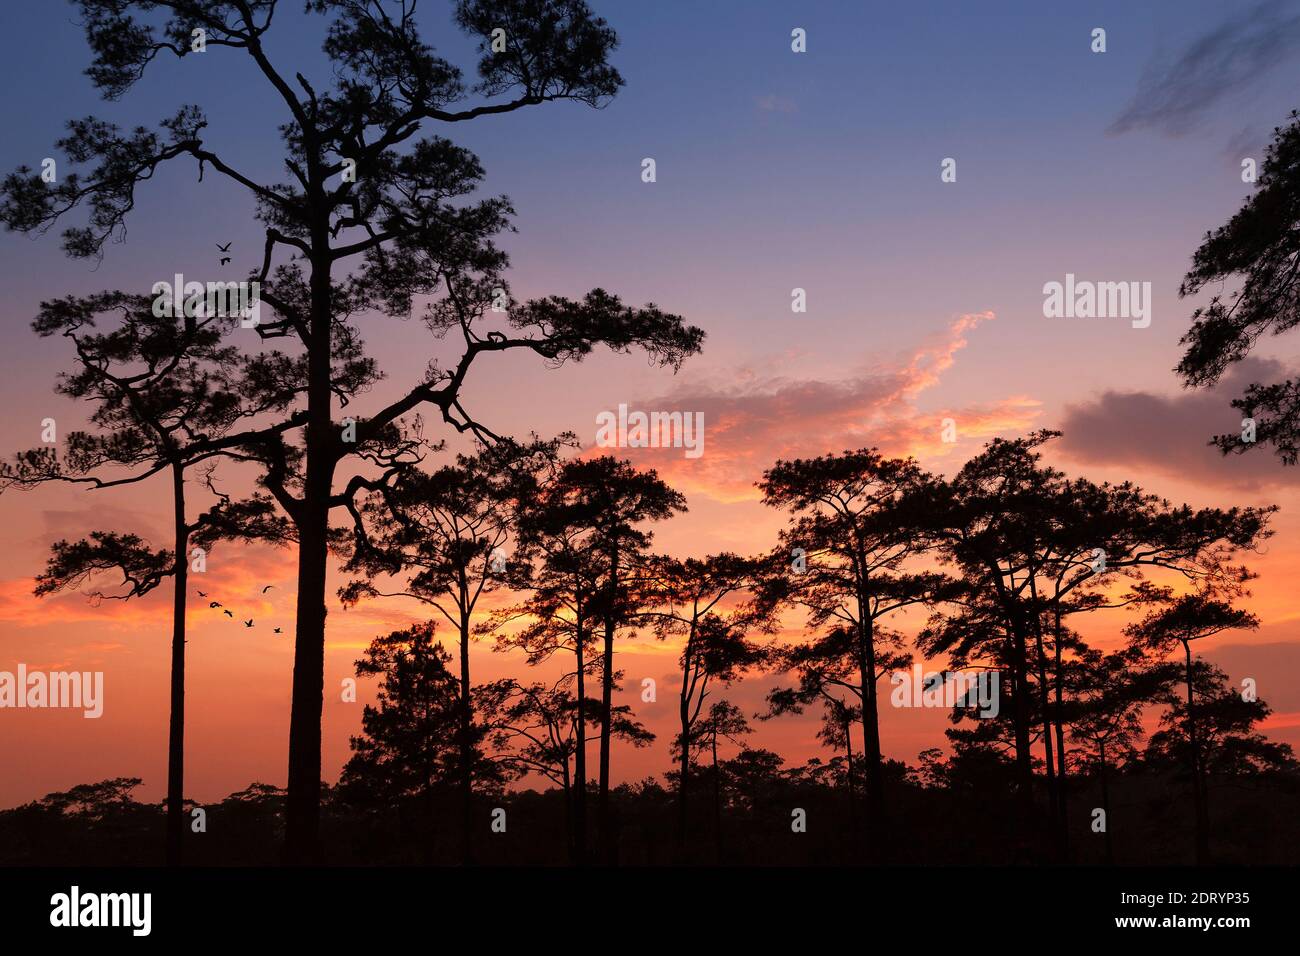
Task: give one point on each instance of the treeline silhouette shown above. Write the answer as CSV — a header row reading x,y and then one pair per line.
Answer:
x,y
1145,753
938,821
372,213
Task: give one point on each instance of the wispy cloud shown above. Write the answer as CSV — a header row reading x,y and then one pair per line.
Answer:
x,y
1175,93
752,420
1246,142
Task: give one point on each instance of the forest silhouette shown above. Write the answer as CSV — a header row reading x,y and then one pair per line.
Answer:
x,y
1001,558
1145,753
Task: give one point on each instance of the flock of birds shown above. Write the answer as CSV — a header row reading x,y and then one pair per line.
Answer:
x,y
214,605
231,614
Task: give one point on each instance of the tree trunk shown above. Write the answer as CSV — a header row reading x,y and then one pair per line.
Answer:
x,y
871,728
580,757
1020,716
717,800
176,729
1028,846
870,717
1029,843
466,750
568,810
685,760
853,800
1063,788
302,805
1105,804
1049,759
604,839
1198,791
430,806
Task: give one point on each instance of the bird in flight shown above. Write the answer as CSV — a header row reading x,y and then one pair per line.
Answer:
x,y
225,248
213,603
248,623
277,630
227,613
267,588
201,594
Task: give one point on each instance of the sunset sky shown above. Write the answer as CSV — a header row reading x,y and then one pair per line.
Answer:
x,y
775,170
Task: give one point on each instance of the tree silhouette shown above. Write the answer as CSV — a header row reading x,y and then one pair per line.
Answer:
x,y
444,532
850,528
1017,530
1225,726
838,718
724,720
1259,245
361,185
1110,694
533,728
167,395
687,598
561,561
411,741
817,681
1179,621
604,500
973,632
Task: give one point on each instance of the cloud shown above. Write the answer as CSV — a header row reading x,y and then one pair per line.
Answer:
x,y
77,522
1265,660
19,608
1169,434
751,420
1174,94
235,576
1246,142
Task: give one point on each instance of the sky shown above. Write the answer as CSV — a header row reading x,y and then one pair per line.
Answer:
x,y
775,170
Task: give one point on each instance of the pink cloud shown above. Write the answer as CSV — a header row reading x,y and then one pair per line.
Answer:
x,y
751,420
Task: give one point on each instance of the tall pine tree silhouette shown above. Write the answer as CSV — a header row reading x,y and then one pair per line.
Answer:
x,y
168,393
363,190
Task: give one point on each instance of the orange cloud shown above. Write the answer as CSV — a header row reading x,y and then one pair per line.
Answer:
x,y
20,608
753,420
